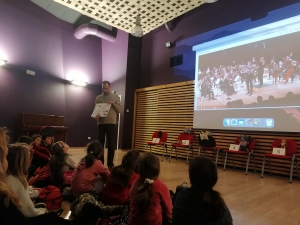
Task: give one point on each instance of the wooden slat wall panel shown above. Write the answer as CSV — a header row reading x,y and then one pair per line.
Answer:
x,y
169,108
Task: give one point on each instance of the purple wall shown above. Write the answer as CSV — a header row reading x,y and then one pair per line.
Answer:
x,y
155,59
32,38
114,59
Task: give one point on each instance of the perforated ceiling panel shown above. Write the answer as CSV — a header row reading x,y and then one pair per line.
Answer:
x,y
122,13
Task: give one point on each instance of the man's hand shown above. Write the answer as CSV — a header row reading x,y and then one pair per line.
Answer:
x,y
111,102
97,117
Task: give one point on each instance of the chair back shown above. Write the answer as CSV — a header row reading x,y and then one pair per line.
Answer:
x,y
210,143
184,136
47,130
163,138
250,146
291,146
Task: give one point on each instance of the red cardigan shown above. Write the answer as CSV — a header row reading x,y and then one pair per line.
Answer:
x,y
83,179
160,206
114,195
41,152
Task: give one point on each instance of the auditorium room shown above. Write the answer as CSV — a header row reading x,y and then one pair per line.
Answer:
x,y
149,112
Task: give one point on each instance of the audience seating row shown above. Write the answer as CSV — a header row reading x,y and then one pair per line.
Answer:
x,y
185,141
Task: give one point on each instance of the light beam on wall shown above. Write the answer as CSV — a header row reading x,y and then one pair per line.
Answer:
x,y
3,62
76,77
79,83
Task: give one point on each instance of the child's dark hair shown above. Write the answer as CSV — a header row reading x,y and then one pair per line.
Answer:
x,y
120,175
94,150
203,177
149,168
57,162
25,139
44,136
35,136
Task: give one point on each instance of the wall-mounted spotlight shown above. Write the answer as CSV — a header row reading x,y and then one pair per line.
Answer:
x,y
3,62
169,44
79,83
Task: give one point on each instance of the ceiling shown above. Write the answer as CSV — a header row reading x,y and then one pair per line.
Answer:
x,y
122,14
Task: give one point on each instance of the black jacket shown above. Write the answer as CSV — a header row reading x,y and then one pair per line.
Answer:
x,y
187,210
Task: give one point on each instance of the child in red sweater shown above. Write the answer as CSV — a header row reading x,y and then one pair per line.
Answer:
x,y
120,180
90,174
41,155
150,201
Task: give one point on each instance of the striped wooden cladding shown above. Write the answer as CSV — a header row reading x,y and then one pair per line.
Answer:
x,y
169,108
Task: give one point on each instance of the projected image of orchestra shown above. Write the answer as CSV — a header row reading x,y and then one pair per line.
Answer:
x,y
262,74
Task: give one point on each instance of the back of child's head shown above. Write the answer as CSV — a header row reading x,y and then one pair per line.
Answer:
x,y
149,168
130,160
94,150
203,177
57,161
18,162
203,173
120,175
58,148
25,139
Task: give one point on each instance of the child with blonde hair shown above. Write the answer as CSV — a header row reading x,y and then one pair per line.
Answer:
x,y
18,162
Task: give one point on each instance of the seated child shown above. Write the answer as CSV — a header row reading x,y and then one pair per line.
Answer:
x,y
60,162
10,204
18,163
86,177
47,140
201,204
41,155
28,142
120,180
150,201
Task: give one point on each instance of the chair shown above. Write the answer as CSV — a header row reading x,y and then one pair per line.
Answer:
x,y
249,152
291,150
182,137
208,145
162,142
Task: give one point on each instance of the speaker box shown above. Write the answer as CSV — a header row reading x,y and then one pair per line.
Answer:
x,y
176,60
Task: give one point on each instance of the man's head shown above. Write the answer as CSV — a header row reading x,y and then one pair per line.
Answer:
x,y
106,87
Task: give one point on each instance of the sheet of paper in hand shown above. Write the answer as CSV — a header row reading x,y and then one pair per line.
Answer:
x,y
101,109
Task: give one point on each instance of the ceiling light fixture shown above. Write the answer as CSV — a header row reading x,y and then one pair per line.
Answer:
x,y
79,83
137,31
210,1
3,62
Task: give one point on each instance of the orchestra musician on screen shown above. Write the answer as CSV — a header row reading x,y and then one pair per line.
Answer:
x,y
224,80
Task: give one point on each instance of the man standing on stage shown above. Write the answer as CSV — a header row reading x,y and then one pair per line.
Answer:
x,y
260,70
249,78
107,125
